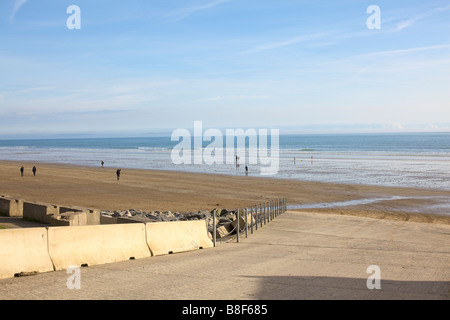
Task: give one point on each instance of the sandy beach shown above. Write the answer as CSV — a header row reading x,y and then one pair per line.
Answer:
x,y
323,254
97,187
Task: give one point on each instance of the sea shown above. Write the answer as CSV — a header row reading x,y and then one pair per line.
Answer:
x,y
408,160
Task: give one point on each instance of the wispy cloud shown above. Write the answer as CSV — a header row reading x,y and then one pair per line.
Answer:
x,y
290,42
409,22
234,98
389,53
86,96
17,5
187,11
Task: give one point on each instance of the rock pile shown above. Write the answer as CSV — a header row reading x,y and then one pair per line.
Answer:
x,y
225,219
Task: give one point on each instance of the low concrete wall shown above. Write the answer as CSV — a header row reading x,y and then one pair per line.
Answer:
x,y
87,217
39,211
11,207
76,216
58,248
23,250
92,217
172,237
69,219
93,245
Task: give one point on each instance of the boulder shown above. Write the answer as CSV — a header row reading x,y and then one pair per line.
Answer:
x,y
128,214
153,217
221,232
242,221
219,212
116,214
167,216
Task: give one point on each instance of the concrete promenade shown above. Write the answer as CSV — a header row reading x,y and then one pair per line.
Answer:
x,y
296,256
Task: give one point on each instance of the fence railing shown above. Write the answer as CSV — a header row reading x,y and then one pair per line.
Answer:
x,y
248,220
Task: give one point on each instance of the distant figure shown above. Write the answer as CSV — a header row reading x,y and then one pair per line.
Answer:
x,y
102,163
246,170
21,170
118,173
34,170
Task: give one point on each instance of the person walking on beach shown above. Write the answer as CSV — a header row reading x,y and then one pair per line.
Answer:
x,y
21,171
102,163
34,170
118,173
246,170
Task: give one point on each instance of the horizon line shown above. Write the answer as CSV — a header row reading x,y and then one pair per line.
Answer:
x,y
168,135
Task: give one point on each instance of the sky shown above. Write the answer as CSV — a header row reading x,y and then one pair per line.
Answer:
x,y
139,67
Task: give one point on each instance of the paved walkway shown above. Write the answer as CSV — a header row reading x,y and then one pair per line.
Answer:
x,y
297,256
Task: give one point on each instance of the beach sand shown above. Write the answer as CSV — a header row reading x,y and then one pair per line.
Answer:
x,y
320,254
98,188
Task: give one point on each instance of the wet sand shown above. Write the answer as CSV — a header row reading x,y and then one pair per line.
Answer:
x,y
96,187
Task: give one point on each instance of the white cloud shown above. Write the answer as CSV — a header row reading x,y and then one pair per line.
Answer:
x,y
17,5
234,98
96,95
396,125
409,22
388,53
281,44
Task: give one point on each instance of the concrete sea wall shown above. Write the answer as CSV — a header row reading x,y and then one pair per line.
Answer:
x,y
11,207
24,251
54,215
36,250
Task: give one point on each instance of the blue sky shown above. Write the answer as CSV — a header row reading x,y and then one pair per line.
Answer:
x,y
141,66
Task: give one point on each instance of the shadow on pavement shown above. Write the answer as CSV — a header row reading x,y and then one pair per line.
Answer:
x,y
331,288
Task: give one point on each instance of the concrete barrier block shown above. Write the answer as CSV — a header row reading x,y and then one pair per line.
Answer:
x,y
172,237
24,251
70,219
92,217
94,245
11,207
40,212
